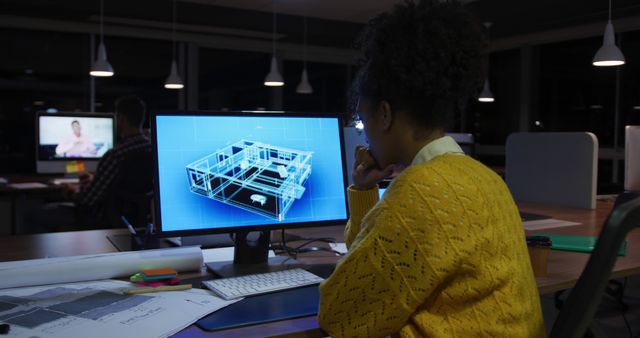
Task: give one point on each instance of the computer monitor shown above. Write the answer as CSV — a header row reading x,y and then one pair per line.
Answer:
x,y
352,138
65,137
237,172
632,159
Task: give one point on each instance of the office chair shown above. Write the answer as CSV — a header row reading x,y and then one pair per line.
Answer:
x,y
132,192
580,307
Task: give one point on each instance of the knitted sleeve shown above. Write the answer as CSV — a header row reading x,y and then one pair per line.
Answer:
x,y
360,202
394,264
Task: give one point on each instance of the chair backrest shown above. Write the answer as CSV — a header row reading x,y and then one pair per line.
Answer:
x,y
580,307
553,168
132,190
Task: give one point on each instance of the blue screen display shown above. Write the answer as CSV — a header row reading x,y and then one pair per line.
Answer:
x,y
232,171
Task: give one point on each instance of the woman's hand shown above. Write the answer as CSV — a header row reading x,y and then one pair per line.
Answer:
x,y
366,171
86,179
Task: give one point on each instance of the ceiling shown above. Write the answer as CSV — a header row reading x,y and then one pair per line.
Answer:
x,y
331,23
358,11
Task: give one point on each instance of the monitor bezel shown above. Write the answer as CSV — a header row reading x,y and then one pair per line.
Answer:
x,y
157,213
112,116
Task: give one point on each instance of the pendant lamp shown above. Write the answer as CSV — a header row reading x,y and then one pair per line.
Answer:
x,y
609,54
304,87
274,78
173,80
101,67
486,95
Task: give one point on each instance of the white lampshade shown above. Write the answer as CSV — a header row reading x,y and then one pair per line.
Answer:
x,y
609,54
486,95
304,87
101,67
274,78
174,81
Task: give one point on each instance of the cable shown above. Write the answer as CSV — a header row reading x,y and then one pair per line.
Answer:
x,y
101,21
294,251
173,32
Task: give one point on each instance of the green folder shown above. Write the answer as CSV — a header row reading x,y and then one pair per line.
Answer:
x,y
578,243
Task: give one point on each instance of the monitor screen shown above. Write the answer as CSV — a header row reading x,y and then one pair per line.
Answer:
x,y
64,137
217,172
632,159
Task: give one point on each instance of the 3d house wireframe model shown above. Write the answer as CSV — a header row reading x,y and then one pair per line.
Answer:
x,y
258,177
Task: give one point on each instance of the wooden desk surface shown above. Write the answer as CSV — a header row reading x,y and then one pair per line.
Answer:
x,y
564,267
563,271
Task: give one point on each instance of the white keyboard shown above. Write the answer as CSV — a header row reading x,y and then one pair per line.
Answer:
x,y
58,181
249,285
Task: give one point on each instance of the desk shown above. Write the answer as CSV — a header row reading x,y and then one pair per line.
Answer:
x,y
564,267
15,202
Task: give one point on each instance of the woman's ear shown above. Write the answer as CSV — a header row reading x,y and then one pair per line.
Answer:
x,y
386,115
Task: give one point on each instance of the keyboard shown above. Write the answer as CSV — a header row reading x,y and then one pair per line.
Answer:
x,y
58,181
249,285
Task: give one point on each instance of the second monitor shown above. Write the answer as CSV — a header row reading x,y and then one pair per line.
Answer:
x,y
65,137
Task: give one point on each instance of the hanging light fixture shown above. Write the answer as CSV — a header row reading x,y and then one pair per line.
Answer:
x,y
101,67
173,80
609,54
486,95
304,87
274,78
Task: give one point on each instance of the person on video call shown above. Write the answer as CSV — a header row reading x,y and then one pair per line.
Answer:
x,y
76,144
443,253
94,191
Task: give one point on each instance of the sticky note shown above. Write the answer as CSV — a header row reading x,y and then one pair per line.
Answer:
x,y
75,167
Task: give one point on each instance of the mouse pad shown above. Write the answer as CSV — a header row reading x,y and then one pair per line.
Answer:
x,y
265,308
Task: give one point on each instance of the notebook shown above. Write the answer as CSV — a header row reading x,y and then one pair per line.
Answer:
x,y
578,243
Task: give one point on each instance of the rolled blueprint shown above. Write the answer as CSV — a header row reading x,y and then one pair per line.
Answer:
x,y
93,267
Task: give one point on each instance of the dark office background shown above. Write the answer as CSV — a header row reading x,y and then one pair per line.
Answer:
x,y
539,66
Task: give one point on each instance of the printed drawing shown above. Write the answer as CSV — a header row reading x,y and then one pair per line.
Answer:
x,y
257,177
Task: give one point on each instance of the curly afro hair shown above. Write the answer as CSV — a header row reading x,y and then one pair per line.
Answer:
x,y
423,57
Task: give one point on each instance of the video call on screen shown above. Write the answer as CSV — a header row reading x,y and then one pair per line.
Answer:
x,y
70,137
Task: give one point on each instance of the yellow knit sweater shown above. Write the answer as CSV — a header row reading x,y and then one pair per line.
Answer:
x,y
443,254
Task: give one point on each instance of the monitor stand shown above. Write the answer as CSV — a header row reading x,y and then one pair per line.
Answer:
x,y
251,256
206,241
213,241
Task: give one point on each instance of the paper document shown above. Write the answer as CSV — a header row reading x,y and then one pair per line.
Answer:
x,y
547,224
222,254
339,247
99,309
95,267
27,185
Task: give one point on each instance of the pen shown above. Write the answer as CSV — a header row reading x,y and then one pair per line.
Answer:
x,y
136,291
131,229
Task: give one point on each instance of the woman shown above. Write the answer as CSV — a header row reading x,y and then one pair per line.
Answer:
x,y
443,254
